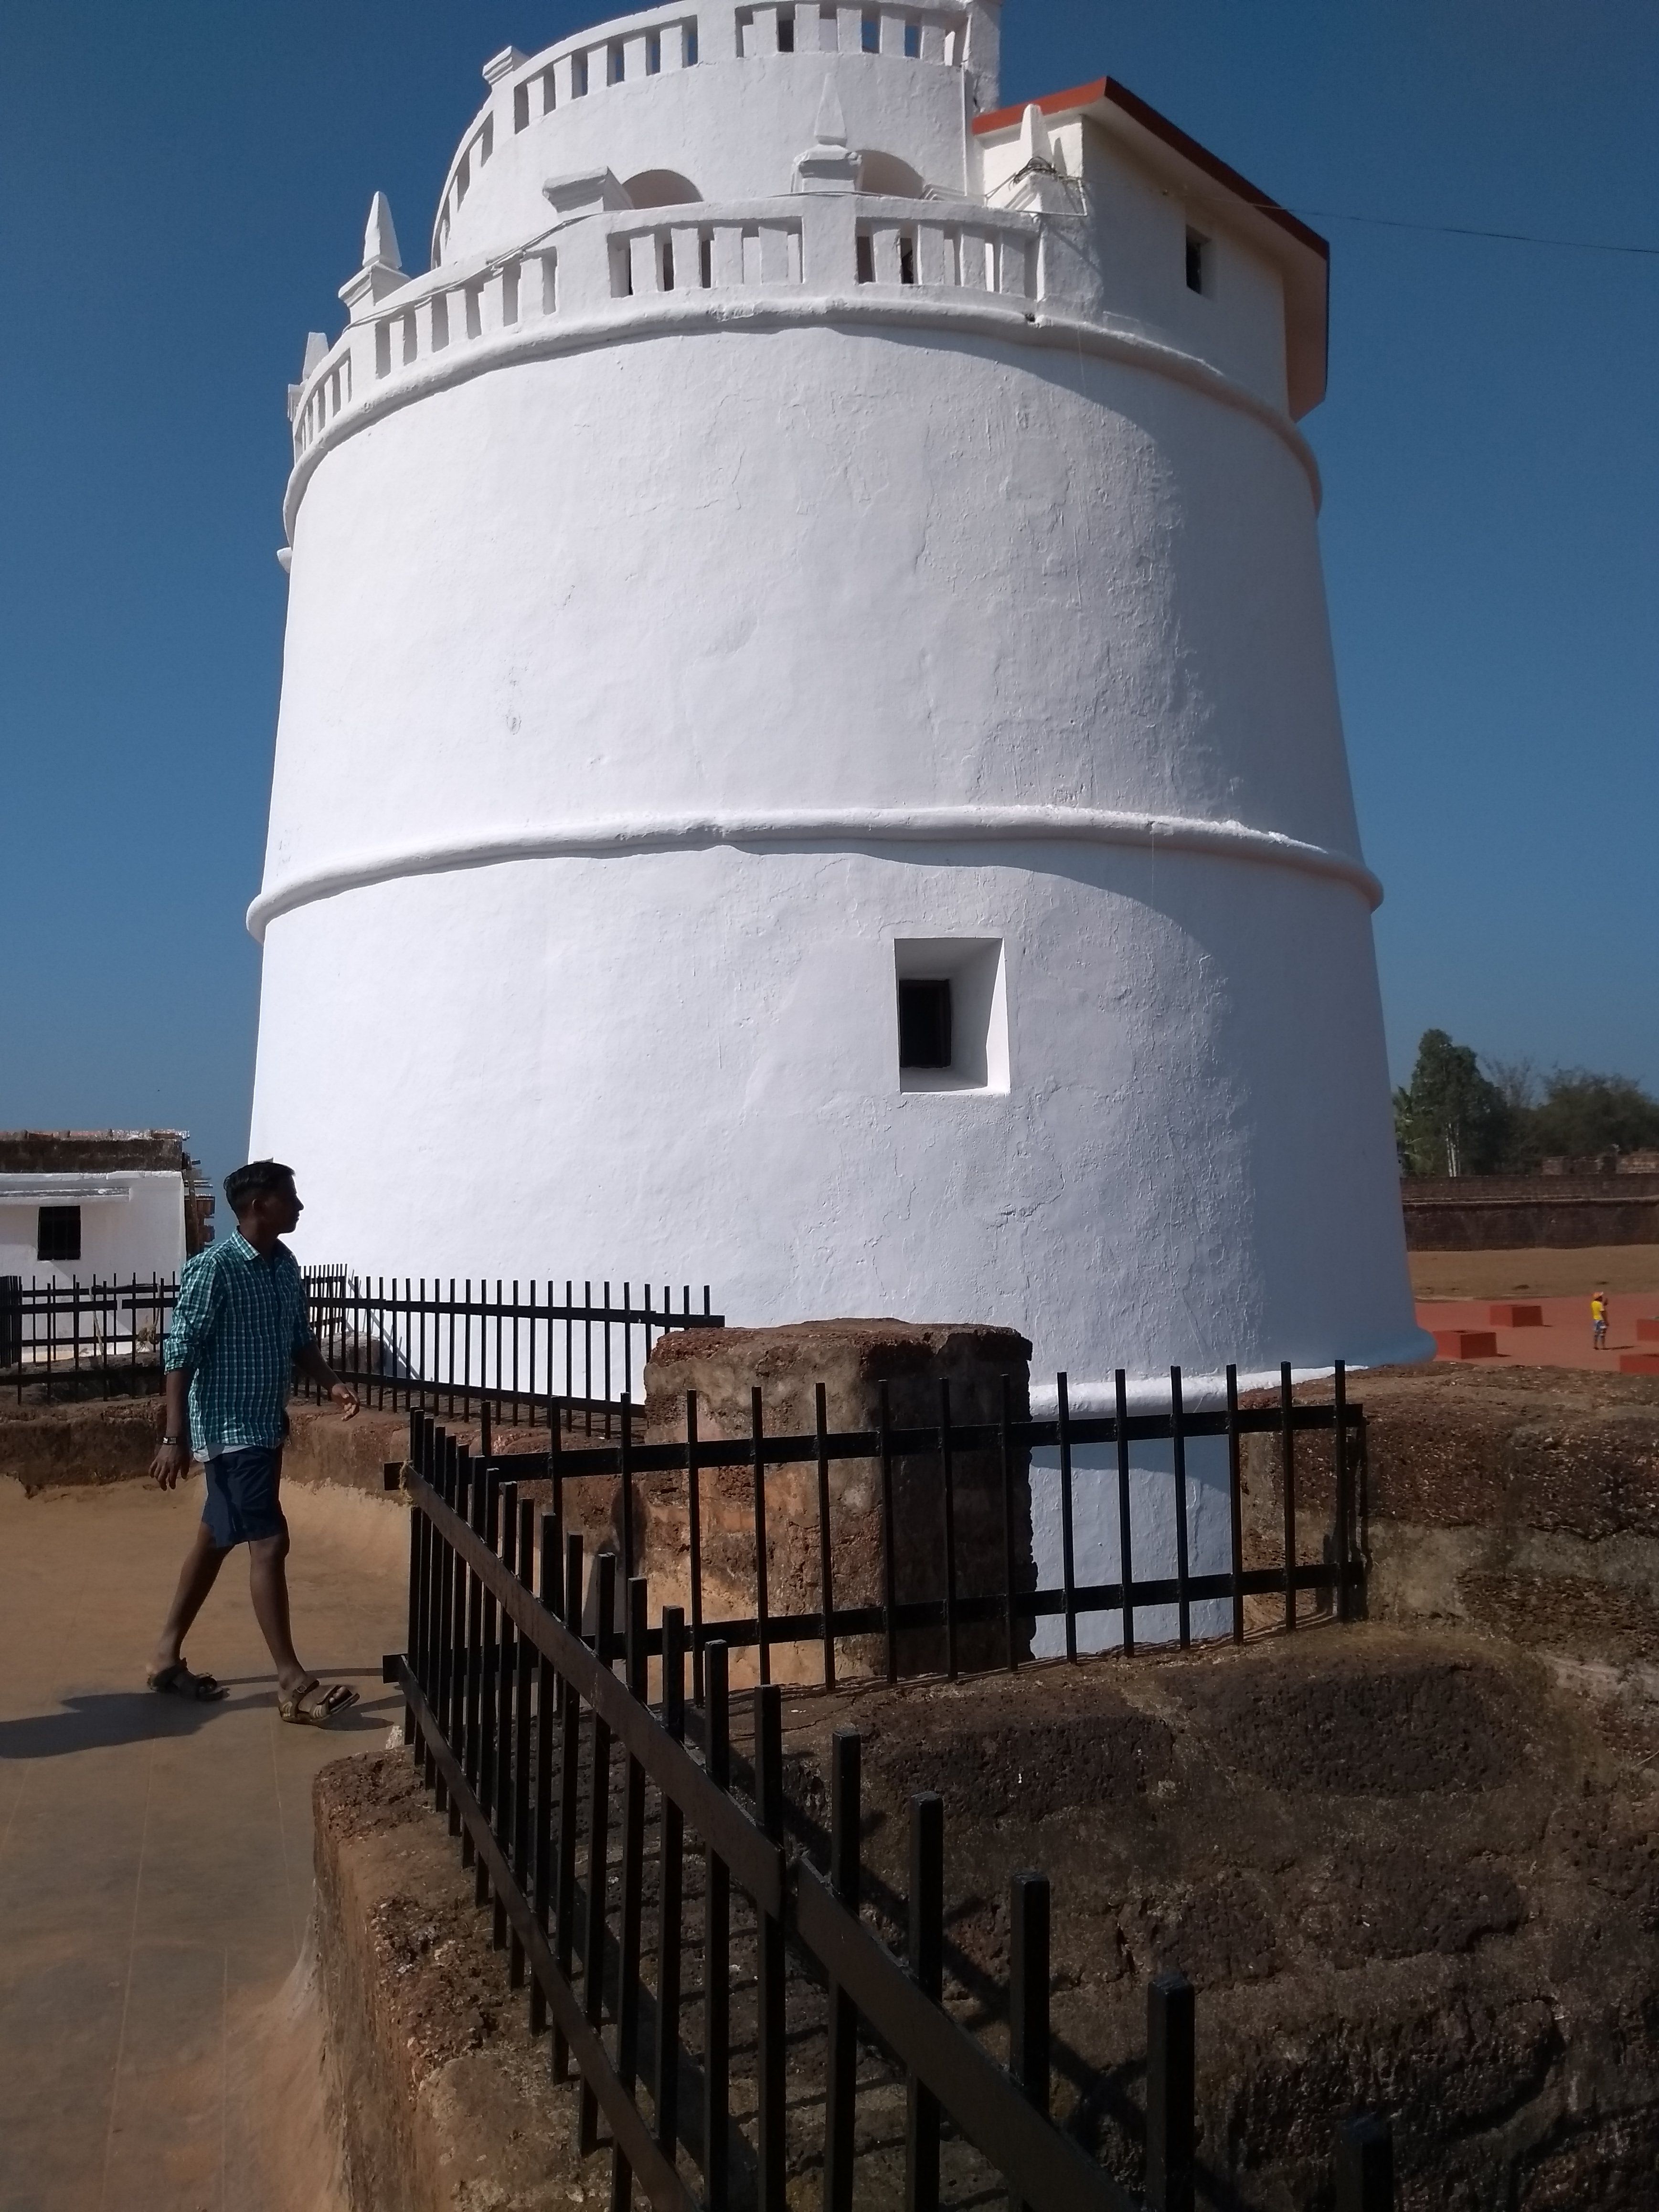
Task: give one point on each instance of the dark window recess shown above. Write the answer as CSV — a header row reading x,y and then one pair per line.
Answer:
x,y
1197,262
924,1012
668,265
705,262
58,1236
870,33
690,46
864,259
785,34
907,259
913,41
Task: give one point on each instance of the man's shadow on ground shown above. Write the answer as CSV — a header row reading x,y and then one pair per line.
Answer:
x,y
101,1720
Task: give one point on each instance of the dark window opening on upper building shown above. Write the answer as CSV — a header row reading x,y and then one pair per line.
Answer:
x,y
57,1235
924,1014
1198,262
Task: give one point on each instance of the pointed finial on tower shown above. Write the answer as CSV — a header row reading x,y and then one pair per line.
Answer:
x,y
1035,147
830,129
382,270
316,347
379,238
828,165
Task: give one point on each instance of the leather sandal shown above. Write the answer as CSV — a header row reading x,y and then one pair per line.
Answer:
x,y
336,1699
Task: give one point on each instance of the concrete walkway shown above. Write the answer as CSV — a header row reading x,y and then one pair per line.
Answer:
x,y
156,1858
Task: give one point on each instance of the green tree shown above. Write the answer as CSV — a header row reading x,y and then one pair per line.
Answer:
x,y
1450,1120
1582,1115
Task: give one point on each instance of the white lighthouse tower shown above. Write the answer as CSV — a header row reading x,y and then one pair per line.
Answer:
x,y
809,757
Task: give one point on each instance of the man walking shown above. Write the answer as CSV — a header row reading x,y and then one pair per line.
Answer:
x,y
1599,1321
238,1332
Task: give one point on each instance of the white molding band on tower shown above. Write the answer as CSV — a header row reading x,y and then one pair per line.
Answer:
x,y
836,826
674,315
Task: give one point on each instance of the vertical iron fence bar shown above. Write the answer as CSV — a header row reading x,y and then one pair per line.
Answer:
x,y
762,1620
1068,1554
1007,1455
716,1949
1364,2164
889,1530
633,1886
1235,1505
626,1480
458,1492
607,1359
1287,1472
826,1562
507,1670
841,2059
549,1590
772,2049
947,1470
670,1893
489,1698
1125,1549
569,1791
694,1531
922,2110
1178,1459
1171,2090
628,1342
518,1801
449,1361
474,1647
1027,1992
598,1853
416,1629
1344,1546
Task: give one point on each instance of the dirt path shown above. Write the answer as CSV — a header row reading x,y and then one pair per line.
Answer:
x,y
156,1859
1535,1271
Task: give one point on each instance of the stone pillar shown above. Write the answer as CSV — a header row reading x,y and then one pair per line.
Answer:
x,y
852,1359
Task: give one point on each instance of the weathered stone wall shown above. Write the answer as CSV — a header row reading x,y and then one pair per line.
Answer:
x,y
1521,1503
1479,1214
852,1359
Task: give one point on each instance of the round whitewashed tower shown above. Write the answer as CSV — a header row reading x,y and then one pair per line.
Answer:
x,y
809,757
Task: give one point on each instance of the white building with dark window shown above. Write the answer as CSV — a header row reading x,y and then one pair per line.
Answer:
x,y
809,754
99,1206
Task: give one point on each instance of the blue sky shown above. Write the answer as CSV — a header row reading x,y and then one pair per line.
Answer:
x,y
185,186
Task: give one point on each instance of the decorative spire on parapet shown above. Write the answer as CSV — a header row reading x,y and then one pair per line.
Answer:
x,y
383,269
829,165
316,348
1038,184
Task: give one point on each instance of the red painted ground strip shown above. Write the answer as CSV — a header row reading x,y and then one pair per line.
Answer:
x,y
1547,1332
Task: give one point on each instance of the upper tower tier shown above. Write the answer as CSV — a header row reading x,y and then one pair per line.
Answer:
x,y
778,164
715,103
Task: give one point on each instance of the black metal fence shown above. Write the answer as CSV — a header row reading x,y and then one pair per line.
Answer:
x,y
68,1339
513,1351
715,2093
925,1599
458,1348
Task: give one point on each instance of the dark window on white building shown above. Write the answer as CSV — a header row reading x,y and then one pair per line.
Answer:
x,y
57,1235
924,1012
1198,262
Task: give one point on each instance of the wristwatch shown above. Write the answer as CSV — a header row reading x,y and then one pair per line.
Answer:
x,y
177,1442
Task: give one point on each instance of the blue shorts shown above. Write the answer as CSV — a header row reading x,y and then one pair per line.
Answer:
x,y
242,1495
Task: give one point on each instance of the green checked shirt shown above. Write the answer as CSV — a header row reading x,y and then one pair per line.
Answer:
x,y
239,1322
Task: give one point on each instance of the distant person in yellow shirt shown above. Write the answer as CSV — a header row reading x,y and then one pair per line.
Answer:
x,y
1599,1321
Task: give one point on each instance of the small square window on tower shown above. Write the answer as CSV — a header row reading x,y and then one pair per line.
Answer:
x,y
1198,262
952,1014
57,1235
